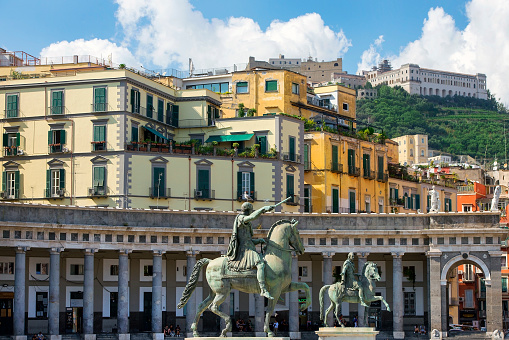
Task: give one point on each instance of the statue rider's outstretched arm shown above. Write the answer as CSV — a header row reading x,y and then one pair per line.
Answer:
x,y
258,212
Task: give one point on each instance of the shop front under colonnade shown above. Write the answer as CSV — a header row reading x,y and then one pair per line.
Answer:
x,y
102,270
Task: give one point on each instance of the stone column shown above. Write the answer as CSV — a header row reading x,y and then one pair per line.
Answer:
x,y
157,295
54,294
19,294
88,295
191,303
361,261
494,293
327,280
435,292
398,307
123,296
294,300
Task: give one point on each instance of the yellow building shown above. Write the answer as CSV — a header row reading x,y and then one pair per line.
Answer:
x,y
114,138
412,149
344,174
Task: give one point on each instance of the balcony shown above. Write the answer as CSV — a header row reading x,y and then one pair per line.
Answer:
x,y
295,200
307,165
98,191
159,192
12,151
368,174
393,202
53,148
381,177
336,167
204,194
353,171
290,157
13,113
99,146
100,107
10,194
57,110
50,193
336,210
323,103
241,195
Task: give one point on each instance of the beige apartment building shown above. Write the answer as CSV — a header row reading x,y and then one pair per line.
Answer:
x,y
412,149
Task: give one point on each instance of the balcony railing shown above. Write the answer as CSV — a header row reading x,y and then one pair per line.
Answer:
x,y
354,171
294,201
13,113
307,165
98,191
465,189
99,146
321,103
381,177
56,110
290,157
11,150
10,194
159,192
251,196
149,112
204,194
100,107
336,210
336,167
367,173
396,202
55,148
59,193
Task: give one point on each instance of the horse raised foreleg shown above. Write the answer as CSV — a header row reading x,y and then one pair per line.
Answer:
x,y
381,298
214,307
204,305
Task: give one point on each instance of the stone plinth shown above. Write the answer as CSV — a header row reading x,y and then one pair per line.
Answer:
x,y
344,333
236,338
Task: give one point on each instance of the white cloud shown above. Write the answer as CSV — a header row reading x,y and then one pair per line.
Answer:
x,y
371,56
168,32
479,48
99,48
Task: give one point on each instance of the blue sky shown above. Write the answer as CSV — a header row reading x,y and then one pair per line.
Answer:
x,y
455,35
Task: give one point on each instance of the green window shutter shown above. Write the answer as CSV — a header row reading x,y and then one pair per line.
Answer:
x,y
396,193
352,201
48,183
252,184
380,166
18,138
417,202
99,133
160,110
270,85
292,148
391,192
62,178
262,140
99,174
216,113
289,186
6,140
12,105
50,137
239,185
335,200
209,115
175,117
132,100
134,134
62,136
16,183
150,105
168,113
100,99
411,201
158,184
306,156
4,181
335,157
351,159
56,102
203,182
428,202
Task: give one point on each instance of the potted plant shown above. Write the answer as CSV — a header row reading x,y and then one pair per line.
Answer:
x,y
235,148
214,145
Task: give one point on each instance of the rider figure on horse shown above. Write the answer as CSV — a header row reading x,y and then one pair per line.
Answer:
x,y
242,253
350,279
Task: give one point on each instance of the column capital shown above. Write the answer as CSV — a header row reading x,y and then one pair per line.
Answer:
x,y
434,253
56,251
22,249
363,254
125,252
397,255
90,251
328,254
192,253
159,252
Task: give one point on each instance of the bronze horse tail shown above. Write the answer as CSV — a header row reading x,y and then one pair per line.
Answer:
x,y
322,293
191,285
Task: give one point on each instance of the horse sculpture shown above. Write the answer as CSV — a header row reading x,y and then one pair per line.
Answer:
x,y
283,237
338,294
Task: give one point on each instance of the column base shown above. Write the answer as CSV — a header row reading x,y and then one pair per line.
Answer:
x,y
19,337
294,335
157,336
54,337
437,335
257,334
398,335
88,337
124,337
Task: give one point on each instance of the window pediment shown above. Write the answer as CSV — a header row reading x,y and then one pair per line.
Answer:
x,y
204,162
11,165
290,168
246,164
99,159
54,163
158,159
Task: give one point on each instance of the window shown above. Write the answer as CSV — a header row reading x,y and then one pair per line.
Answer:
x,y
11,142
291,154
351,162
303,271
307,198
335,200
11,109
468,273
114,270
10,184
289,186
295,88
158,182
175,116
150,105
262,141
6,267
57,102
448,204
55,183
56,140
41,304
76,269
203,190
504,285
366,165
351,198
99,143
335,162
99,181
245,185
469,298
345,106
160,110
113,304
148,270
135,101
409,303
271,86
242,87
41,268
100,103
134,133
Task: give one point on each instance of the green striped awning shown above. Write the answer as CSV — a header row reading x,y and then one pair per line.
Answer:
x,y
158,134
230,138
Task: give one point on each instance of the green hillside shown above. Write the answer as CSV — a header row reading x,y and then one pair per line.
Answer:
x,y
457,125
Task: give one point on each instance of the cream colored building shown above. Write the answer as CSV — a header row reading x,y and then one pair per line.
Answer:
x,y
412,149
88,135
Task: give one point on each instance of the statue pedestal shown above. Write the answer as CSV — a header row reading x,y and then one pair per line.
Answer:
x,y
237,338
344,333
